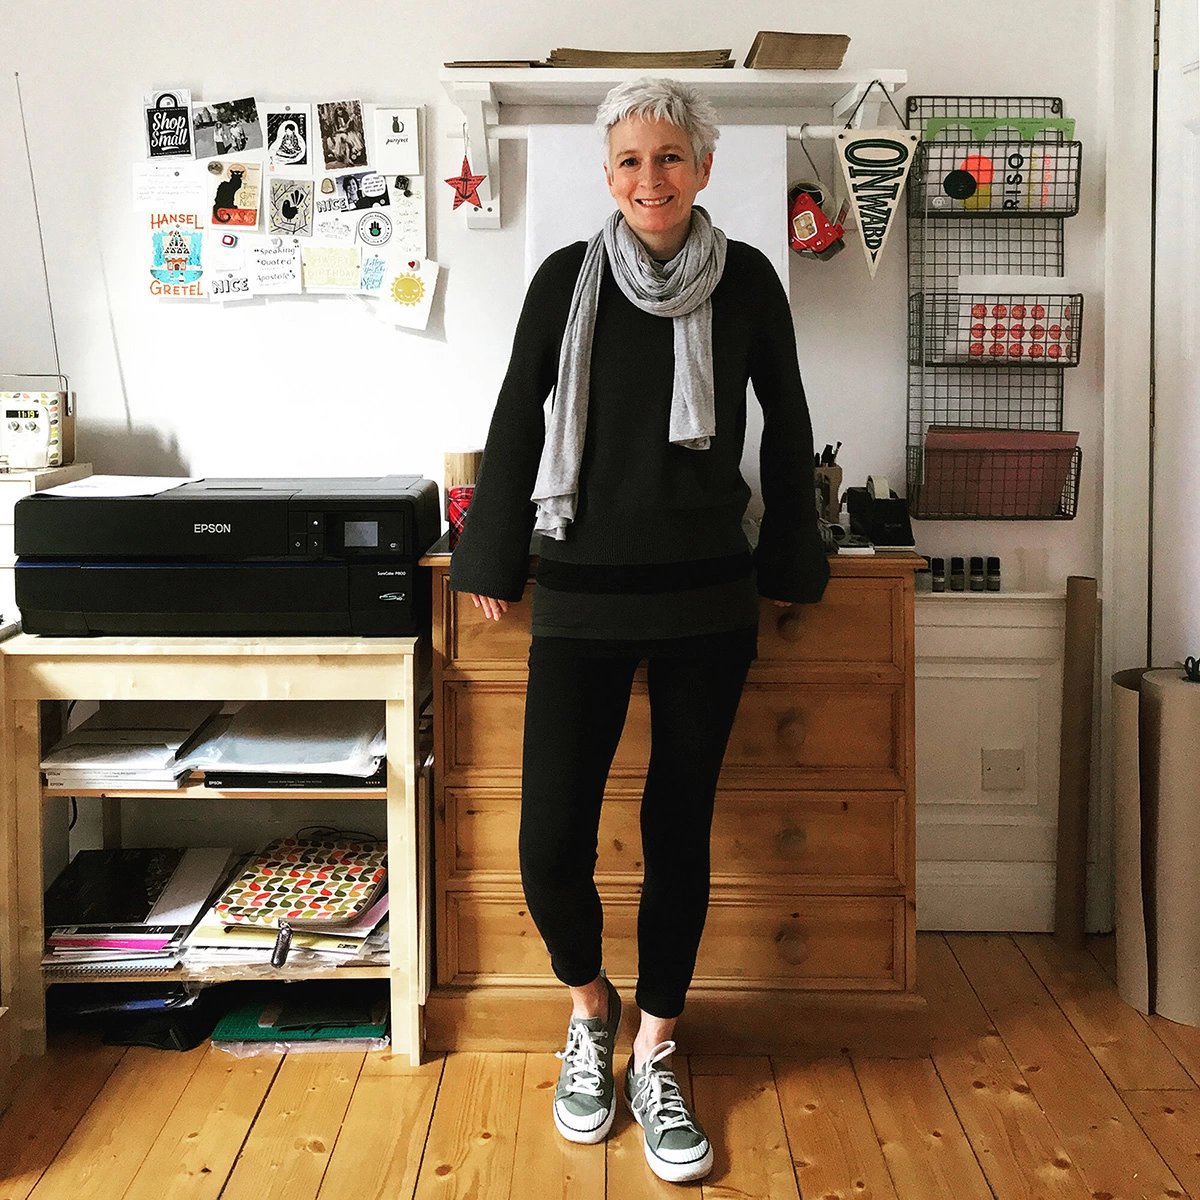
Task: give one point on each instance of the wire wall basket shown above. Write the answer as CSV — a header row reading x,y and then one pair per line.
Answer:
x,y
951,329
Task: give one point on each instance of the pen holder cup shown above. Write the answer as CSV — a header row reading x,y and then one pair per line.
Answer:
x,y
829,491
458,501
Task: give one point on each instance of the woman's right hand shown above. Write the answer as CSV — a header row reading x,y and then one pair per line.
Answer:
x,y
492,609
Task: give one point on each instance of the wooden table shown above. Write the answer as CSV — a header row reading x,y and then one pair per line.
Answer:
x,y
36,669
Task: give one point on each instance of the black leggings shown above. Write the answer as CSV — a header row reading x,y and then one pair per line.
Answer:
x,y
574,713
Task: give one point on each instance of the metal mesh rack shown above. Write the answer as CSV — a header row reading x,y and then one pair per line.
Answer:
x,y
980,361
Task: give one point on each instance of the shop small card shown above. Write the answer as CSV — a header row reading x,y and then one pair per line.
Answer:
x,y
289,138
343,140
169,124
397,141
291,207
227,127
275,265
331,268
406,296
235,193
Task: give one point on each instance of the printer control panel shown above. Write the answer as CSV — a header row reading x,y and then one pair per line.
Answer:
x,y
352,534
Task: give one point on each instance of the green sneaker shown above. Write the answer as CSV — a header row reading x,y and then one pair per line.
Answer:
x,y
676,1147
585,1100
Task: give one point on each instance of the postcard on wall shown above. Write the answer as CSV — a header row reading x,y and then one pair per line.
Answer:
x,y
331,221
374,230
176,255
397,141
289,138
291,207
169,124
407,293
330,268
167,186
361,189
236,187
275,265
343,142
407,213
227,127
371,276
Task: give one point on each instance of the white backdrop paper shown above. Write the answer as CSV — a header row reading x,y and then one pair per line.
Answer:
x,y
567,198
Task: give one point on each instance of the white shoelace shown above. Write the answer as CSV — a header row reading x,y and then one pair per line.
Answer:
x,y
658,1093
584,1059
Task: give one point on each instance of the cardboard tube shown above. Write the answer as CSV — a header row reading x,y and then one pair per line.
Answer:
x,y
1075,760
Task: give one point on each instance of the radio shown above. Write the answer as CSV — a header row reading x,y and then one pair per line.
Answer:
x,y
34,429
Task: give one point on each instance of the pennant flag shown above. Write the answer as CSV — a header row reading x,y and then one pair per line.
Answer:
x,y
875,163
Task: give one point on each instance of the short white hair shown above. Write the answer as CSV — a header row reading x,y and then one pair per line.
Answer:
x,y
651,99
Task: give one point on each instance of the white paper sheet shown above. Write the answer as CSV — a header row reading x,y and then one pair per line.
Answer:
x,y
177,186
119,485
568,201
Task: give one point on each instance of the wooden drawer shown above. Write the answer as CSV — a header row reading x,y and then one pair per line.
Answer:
x,y
819,942
857,623
471,640
787,735
846,840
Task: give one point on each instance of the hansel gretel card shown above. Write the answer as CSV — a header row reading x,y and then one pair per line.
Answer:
x,y
343,142
289,138
397,141
176,255
407,293
169,124
227,127
291,206
235,194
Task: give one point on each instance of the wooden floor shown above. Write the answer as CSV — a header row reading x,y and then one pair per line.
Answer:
x,y
1042,1083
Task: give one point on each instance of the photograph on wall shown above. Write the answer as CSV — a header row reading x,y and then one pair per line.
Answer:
x,y
289,137
169,124
343,142
397,141
291,207
227,127
235,193
361,189
176,255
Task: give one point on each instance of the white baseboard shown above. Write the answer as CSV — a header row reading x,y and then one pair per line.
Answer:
x,y
1013,897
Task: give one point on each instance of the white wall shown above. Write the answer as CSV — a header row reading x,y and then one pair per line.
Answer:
x,y
318,386
1176,560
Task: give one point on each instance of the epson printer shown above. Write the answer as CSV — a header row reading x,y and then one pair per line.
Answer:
x,y
227,556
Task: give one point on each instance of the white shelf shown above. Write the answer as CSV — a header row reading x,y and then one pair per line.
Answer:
x,y
738,87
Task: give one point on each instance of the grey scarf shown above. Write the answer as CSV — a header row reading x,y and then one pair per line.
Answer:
x,y
679,289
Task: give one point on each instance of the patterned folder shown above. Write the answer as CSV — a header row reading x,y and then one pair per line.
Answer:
x,y
310,883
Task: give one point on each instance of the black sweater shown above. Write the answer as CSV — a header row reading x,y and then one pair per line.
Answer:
x,y
641,499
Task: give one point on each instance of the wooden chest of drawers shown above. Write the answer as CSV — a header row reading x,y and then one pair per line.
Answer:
x,y
810,941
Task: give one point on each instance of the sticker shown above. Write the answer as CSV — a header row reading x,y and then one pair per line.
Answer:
x,y
375,229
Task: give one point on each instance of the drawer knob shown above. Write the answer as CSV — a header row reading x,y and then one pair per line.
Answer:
x,y
792,946
791,731
790,843
790,623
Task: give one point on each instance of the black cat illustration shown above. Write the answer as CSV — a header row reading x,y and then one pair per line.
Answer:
x,y
226,198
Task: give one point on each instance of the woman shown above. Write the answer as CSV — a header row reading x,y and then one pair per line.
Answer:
x,y
646,335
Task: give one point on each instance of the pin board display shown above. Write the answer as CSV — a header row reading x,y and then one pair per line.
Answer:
x,y
244,198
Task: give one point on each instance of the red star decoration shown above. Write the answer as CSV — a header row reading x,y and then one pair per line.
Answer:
x,y
466,186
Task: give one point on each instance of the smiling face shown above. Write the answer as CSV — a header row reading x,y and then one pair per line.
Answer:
x,y
654,178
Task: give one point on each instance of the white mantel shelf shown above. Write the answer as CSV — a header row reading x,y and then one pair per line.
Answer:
x,y
738,87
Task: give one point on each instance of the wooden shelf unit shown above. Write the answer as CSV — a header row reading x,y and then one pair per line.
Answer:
x,y
38,669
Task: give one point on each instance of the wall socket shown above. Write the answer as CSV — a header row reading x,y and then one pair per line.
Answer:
x,y
1003,770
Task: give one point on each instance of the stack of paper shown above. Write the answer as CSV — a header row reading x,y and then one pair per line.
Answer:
x,y
128,744
640,59
129,907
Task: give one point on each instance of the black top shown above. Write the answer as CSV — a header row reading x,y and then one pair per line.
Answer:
x,y
657,538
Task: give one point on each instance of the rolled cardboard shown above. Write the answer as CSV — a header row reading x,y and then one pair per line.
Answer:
x,y
1075,760
1170,734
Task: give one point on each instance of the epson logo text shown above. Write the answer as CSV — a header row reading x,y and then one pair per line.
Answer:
x,y
223,528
